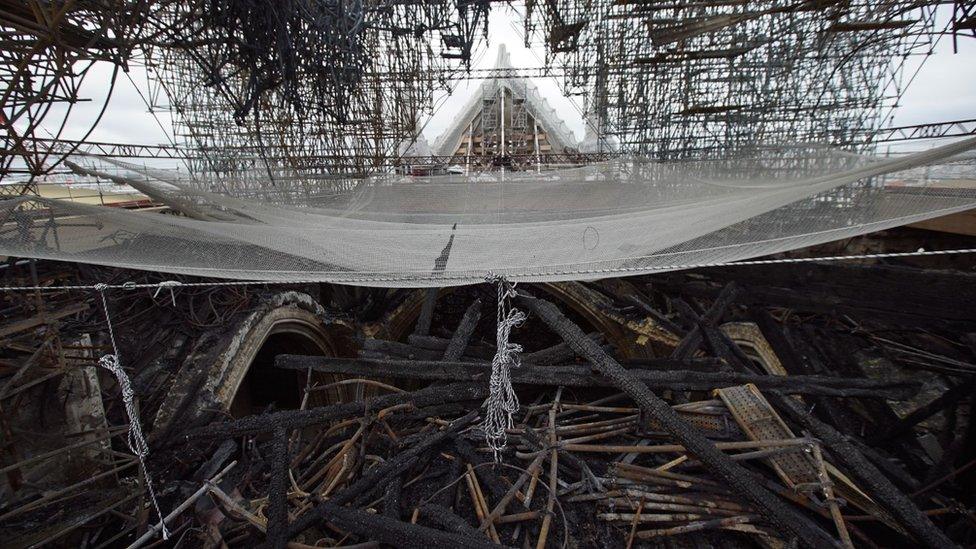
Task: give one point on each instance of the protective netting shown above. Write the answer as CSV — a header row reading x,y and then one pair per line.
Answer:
x,y
626,216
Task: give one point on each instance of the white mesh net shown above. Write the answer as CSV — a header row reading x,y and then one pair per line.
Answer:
x,y
626,216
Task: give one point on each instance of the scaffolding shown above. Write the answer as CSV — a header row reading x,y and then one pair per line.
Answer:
x,y
264,87
47,50
357,83
269,90
677,80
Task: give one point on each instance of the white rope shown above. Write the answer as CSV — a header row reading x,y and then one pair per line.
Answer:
x,y
502,403
168,284
136,442
337,278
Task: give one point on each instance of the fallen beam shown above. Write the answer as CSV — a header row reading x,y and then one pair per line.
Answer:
x,y
920,414
871,480
459,341
906,296
397,533
559,352
737,477
297,419
41,319
693,339
583,376
278,491
374,479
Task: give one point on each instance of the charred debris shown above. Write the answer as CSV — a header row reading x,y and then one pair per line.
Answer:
x,y
771,406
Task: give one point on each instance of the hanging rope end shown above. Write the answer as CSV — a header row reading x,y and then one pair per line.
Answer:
x,y
502,402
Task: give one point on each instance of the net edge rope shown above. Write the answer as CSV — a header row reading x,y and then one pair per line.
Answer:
x,y
173,284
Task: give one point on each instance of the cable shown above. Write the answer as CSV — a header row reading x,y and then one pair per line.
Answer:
x,y
170,284
136,442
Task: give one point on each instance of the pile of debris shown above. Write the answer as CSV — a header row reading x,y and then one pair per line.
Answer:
x,y
721,407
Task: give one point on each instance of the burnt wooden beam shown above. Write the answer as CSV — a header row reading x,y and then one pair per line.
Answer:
x,y
462,335
887,464
659,317
840,356
373,479
41,319
583,376
396,533
835,411
698,364
560,352
687,314
439,344
968,450
426,312
900,295
794,363
693,339
391,498
871,480
278,490
297,419
536,443
925,411
877,413
777,338
376,347
447,498
489,479
719,345
738,478
448,520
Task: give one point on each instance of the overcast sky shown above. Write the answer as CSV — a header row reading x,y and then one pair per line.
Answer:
x,y
944,89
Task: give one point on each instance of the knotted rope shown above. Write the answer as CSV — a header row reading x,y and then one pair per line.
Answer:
x,y
135,441
168,284
502,403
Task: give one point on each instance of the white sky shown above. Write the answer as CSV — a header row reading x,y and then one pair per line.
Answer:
x,y
944,89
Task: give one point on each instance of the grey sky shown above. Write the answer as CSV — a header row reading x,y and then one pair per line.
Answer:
x,y
945,88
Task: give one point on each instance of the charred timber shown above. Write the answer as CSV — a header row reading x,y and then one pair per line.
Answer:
x,y
297,419
278,493
583,376
739,479
693,339
899,295
462,335
874,482
373,480
397,533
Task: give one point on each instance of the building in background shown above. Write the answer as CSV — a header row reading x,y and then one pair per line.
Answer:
x,y
506,123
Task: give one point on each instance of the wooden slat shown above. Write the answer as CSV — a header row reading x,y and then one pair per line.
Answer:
x,y
35,321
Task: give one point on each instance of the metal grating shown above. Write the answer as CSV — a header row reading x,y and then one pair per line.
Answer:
x,y
760,422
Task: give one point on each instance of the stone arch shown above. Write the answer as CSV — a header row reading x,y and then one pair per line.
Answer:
x,y
211,378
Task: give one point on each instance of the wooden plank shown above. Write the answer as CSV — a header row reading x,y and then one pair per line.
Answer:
x,y
958,223
35,321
